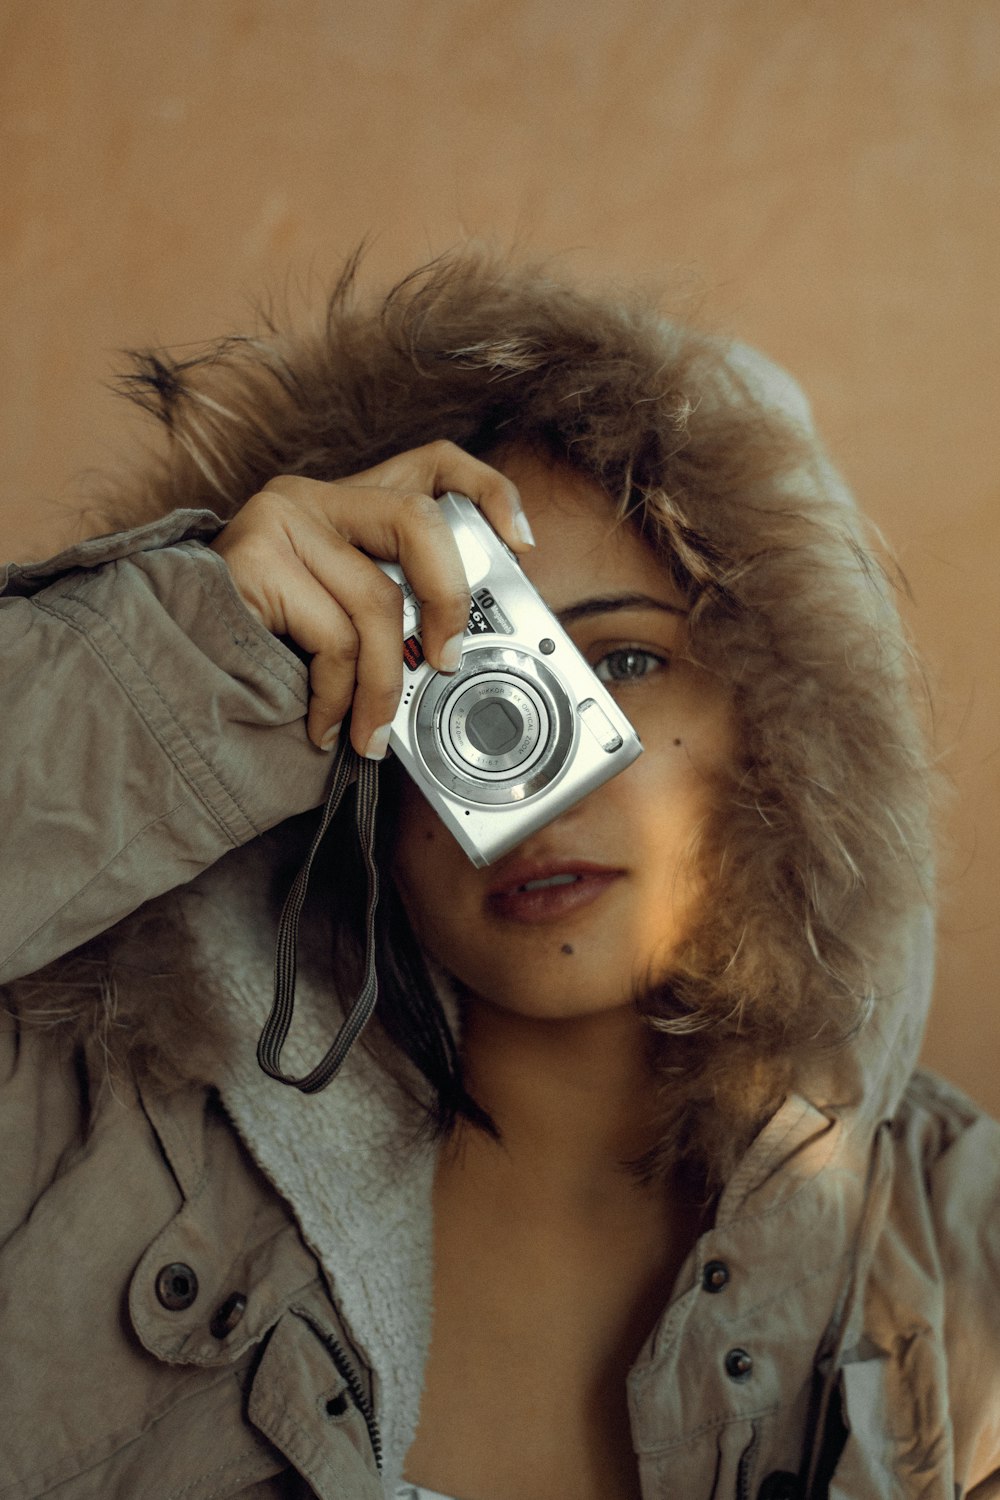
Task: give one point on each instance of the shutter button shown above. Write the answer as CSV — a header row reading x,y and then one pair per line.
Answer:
x,y
738,1364
176,1286
228,1315
715,1275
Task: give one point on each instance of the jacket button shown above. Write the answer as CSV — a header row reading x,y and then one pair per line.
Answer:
x,y
176,1286
738,1364
715,1275
228,1315
779,1486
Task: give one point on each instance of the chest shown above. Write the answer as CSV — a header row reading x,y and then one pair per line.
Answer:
x,y
538,1318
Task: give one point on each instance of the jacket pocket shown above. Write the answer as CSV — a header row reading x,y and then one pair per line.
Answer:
x,y
197,1446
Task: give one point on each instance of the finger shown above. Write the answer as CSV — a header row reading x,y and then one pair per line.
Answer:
x,y
404,527
417,534
332,521
332,676
496,495
372,655
441,466
317,623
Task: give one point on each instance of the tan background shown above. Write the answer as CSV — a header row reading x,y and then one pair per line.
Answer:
x,y
818,178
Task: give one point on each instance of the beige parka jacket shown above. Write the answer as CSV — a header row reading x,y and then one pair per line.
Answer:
x,y
222,1289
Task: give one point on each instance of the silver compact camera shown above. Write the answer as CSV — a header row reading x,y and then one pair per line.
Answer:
x,y
524,728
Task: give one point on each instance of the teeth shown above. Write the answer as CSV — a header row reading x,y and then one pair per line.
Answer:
x,y
541,885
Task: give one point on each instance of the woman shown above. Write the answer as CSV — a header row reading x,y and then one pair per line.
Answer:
x,y
630,1189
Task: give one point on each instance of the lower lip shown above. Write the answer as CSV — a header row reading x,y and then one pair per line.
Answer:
x,y
550,903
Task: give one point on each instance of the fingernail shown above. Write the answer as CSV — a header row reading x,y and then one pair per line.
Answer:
x,y
330,738
522,530
450,655
379,743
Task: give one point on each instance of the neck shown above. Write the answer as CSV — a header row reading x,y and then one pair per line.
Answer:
x,y
573,1098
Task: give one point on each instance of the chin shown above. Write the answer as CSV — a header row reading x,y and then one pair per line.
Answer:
x,y
559,1003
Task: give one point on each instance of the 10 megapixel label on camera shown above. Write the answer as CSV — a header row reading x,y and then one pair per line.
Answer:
x,y
486,617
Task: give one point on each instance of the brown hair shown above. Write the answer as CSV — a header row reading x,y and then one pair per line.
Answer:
x,y
821,845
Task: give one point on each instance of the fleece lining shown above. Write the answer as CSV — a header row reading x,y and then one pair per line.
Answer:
x,y
344,1158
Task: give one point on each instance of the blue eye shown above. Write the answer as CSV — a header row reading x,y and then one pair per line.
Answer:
x,y
628,664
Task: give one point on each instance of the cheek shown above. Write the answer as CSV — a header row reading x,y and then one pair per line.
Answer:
x,y
691,716
667,801
687,741
417,836
417,824
427,862
665,807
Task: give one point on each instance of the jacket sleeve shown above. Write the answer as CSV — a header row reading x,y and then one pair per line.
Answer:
x,y
148,723
961,1165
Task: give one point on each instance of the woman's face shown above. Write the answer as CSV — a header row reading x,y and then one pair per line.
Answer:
x,y
623,861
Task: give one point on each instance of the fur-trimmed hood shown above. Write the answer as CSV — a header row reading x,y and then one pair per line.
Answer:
x,y
819,857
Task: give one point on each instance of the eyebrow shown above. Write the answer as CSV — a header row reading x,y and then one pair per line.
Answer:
x,y
607,604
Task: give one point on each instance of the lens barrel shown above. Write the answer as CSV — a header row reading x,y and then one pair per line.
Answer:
x,y
499,731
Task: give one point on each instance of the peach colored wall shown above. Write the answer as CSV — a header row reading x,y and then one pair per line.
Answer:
x,y
819,179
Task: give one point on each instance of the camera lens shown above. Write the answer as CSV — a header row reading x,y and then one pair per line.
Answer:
x,y
499,732
495,726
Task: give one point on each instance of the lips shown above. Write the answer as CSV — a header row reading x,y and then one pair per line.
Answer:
x,y
531,892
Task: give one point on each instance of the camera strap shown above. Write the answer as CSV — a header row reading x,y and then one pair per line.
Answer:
x,y
347,766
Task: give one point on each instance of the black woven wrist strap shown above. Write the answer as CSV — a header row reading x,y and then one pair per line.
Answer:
x,y
279,1022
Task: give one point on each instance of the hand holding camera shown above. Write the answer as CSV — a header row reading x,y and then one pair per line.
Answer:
x,y
300,554
490,707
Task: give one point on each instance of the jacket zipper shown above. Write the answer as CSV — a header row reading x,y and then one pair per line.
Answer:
x,y
743,1471
352,1380
358,1396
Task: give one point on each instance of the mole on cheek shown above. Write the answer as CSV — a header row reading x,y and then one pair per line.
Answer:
x,y
567,948
677,742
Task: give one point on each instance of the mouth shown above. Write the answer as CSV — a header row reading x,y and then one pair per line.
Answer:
x,y
532,893
548,883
